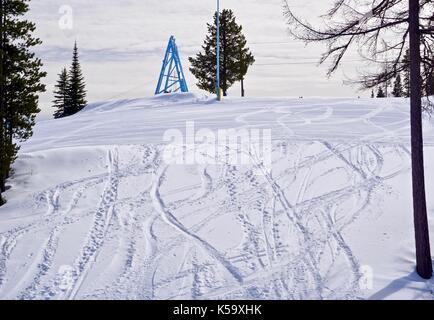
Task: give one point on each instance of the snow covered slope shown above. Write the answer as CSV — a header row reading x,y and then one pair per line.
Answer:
x,y
95,211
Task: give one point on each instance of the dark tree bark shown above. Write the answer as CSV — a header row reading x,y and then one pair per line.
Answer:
x,y
423,252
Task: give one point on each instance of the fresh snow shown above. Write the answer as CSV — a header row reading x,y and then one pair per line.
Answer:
x,y
95,212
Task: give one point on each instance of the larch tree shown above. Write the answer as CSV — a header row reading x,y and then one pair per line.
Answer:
x,y
382,30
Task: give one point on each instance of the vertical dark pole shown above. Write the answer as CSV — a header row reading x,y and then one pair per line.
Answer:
x,y
423,253
2,106
218,85
242,72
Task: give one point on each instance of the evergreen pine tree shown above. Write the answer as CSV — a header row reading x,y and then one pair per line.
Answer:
x,y
406,82
20,76
61,97
235,57
397,88
76,86
380,93
372,94
429,86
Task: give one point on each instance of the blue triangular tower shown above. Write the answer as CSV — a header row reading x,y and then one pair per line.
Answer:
x,y
172,76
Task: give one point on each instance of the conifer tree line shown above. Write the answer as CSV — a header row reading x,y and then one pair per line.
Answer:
x,y
401,82
70,90
20,82
235,56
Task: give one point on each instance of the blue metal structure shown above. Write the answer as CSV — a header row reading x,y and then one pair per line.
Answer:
x,y
172,77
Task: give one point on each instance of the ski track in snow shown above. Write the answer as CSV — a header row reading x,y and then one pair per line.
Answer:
x,y
159,243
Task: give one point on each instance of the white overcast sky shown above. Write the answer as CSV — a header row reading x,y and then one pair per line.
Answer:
x,y
122,45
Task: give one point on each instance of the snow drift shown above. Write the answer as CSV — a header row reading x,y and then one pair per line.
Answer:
x,y
94,211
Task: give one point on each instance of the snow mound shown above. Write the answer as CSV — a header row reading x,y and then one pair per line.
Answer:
x,y
96,212
154,102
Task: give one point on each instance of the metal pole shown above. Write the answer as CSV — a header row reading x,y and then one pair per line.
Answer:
x,y
218,53
2,105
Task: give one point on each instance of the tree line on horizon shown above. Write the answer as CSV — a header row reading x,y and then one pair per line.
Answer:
x,y
368,26
401,83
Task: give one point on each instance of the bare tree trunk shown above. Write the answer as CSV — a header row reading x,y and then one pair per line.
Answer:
x,y
423,253
243,93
